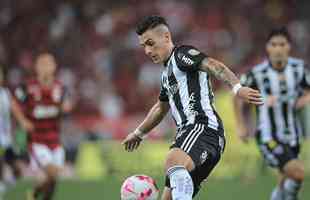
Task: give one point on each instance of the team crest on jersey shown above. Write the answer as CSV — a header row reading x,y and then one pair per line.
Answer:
x,y
193,52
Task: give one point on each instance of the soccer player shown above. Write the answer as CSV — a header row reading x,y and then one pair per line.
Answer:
x,y
186,91
8,107
281,80
44,100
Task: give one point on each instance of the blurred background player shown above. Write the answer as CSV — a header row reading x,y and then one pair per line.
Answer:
x,y
45,100
8,106
284,83
185,89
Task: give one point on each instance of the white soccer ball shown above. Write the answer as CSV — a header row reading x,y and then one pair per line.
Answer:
x,y
139,187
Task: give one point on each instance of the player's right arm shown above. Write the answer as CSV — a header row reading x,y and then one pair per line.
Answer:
x,y
20,117
20,98
153,118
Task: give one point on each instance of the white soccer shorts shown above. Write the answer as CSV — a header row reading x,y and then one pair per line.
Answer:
x,y
42,155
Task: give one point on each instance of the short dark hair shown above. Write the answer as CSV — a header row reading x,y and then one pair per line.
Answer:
x,y
150,22
279,31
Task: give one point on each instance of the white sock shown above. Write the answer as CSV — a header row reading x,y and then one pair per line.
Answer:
x,y
277,194
181,183
291,189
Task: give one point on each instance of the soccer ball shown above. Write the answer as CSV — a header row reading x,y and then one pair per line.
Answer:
x,y
139,187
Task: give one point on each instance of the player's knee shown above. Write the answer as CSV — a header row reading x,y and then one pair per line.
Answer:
x,y
178,157
298,174
52,172
295,171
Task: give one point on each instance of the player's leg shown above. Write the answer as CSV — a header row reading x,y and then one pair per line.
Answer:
x,y
43,159
49,183
192,158
268,151
40,157
295,173
284,158
2,184
52,172
178,165
277,192
14,162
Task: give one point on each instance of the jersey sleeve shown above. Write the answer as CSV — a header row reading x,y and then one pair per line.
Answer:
x,y
248,80
188,58
305,81
20,93
163,96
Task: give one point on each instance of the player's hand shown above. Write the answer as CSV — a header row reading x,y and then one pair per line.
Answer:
x,y
250,95
132,141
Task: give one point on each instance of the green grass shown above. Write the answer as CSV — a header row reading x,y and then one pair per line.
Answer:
x,y
108,189
102,167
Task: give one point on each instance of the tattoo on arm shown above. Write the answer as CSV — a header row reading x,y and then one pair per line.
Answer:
x,y
220,71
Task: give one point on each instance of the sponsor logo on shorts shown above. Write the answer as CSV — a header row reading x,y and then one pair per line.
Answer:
x,y
203,157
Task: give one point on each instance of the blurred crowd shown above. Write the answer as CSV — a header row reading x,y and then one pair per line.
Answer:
x,y
99,57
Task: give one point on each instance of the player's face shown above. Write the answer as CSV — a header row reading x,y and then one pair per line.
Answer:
x,y
278,49
156,45
45,65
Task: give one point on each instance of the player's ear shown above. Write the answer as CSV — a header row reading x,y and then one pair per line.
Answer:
x,y
167,36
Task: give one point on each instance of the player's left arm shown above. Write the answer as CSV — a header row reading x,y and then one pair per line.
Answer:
x,y
223,73
20,117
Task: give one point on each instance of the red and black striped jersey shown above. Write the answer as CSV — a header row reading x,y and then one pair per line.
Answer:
x,y
42,105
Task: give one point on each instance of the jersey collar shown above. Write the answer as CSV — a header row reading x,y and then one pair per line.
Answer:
x,y
167,60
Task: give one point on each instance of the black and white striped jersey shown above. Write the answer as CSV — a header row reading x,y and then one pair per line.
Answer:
x,y
5,118
187,89
278,121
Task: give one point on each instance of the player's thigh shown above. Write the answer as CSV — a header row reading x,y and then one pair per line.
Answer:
x,y
294,169
54,167
40,156
166,194
184,139
177,156
59,157
277,155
